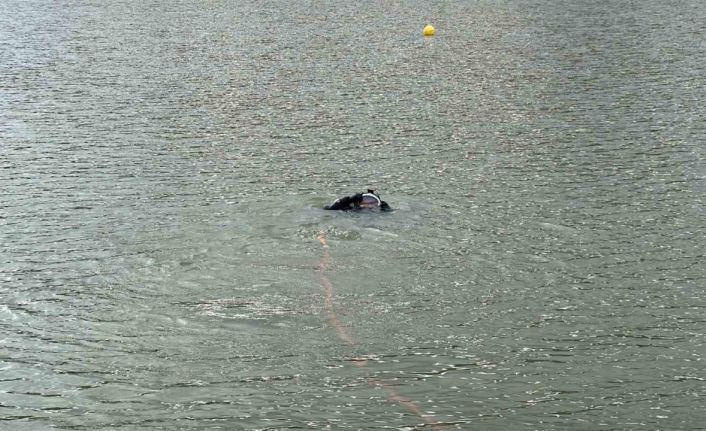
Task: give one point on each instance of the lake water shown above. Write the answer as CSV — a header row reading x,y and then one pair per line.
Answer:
x,y
163,166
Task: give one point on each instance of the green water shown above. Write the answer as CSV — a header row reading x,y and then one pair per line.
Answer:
x,y
163,168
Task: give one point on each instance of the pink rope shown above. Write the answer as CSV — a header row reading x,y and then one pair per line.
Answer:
x,y
344,335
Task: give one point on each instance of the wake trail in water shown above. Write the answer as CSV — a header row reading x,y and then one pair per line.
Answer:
x,y
392,395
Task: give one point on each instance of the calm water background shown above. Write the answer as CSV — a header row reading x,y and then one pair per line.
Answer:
x,y
162,167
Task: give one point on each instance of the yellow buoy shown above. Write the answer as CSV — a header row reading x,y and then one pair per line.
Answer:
x,y
429,30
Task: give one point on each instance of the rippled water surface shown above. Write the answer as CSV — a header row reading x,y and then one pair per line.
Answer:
x,y
163,166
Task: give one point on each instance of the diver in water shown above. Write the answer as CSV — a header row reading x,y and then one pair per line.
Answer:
x,y
359,201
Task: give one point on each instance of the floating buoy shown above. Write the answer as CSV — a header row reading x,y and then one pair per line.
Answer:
x,y
429,30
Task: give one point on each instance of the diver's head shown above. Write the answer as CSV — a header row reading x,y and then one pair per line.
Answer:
x,y
370,200
367,200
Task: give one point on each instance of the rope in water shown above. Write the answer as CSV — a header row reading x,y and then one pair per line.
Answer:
x,y
345,336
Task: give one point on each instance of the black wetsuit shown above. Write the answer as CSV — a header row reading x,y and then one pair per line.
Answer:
x,y
353,203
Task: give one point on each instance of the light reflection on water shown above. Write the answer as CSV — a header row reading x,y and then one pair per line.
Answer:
x,y
163,169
